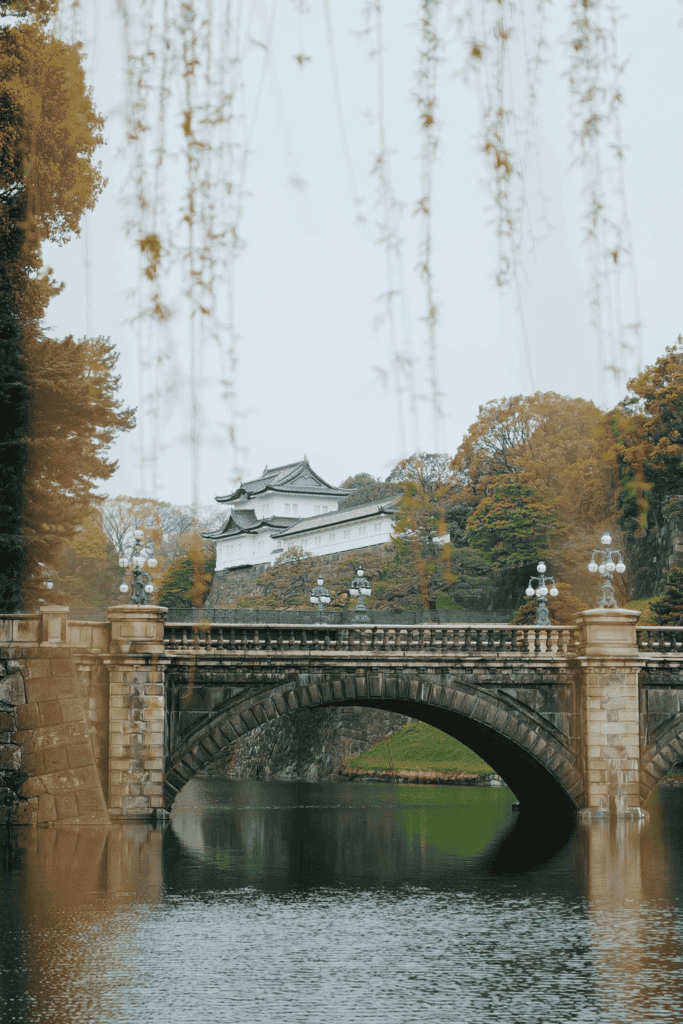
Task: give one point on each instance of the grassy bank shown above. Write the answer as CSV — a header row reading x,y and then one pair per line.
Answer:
x,y
419,747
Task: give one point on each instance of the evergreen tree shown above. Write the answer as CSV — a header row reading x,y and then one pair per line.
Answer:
x,y
187,581
668,608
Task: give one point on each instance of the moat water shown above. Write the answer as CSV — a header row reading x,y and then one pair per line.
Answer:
x,y
273,902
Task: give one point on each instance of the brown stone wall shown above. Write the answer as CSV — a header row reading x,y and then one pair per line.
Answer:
x,y
49,744
93,687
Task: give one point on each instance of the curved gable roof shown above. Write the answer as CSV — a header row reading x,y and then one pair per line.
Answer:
x,y
294,478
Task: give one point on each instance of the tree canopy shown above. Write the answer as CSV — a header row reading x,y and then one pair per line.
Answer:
x,y
366,489
50,390
74,417
668,607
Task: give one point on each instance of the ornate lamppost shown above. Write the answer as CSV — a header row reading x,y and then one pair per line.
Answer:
x,y
320,596
605,568
141,583
46,581
541,592
360,588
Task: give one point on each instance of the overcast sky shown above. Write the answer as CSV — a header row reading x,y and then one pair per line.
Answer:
x,y
311,353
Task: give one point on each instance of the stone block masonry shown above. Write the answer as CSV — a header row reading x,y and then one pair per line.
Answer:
x,y
609,668
314,744
136,712
48,773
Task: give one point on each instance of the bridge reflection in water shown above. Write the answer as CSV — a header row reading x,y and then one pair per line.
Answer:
x,y
265,897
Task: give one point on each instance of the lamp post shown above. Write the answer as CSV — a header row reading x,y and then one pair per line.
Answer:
x,y
605,568
141,585
46,581
541,592
320,596
360,588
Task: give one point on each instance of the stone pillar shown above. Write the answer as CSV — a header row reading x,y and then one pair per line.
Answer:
x,y
609,664
137,717
53,625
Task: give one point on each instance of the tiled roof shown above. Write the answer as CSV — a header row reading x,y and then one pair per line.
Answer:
x,y
246,521
350,515
295,477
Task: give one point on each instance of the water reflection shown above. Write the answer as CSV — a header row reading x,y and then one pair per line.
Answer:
x,y
327,902
633,881
289,834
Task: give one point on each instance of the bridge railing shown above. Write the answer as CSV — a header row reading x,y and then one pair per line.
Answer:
x,y
660,639
463,640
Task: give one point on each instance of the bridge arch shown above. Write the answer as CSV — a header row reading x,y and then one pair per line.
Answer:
x,y
530,754
665,750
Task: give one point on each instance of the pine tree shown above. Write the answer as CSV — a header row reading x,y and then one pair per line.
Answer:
x,y
668,608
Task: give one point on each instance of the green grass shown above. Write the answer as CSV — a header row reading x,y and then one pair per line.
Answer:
x,y
419,746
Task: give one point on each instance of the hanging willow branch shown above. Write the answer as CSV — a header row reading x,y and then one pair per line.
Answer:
x,y
595,74
429,58
402,369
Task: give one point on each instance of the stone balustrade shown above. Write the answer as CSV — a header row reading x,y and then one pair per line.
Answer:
x,y
467,640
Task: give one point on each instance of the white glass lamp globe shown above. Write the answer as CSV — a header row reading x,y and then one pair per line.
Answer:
x,y
606,539
123,589
314,600
529,591
542,591
325,600
592,565
149,588
353,591
49,585
554,591
610,566
541,567
621,567
123,562
138,534
152,562
602,569
138,561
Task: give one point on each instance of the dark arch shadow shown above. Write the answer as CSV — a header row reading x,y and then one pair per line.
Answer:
x,y
536,788
533,760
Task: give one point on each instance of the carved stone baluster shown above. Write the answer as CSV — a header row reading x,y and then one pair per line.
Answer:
x,y
564,641
554,641
531,640
543,640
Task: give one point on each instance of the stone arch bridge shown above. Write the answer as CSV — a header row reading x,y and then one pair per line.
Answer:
x,y
584,719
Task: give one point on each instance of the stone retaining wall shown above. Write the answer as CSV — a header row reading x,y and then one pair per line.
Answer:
x,y
48,772
313,744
